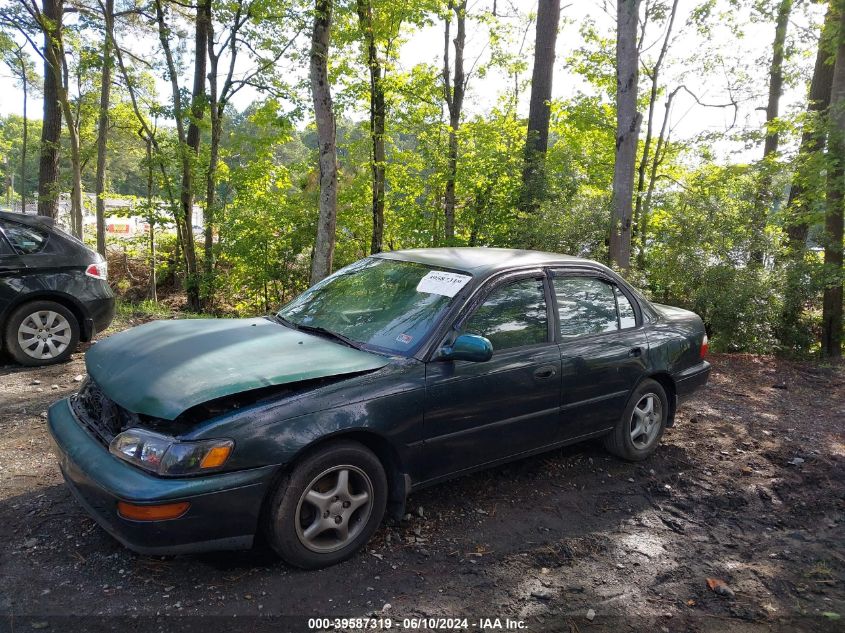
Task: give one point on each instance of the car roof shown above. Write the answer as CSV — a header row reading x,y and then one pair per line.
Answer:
x,y
483,261
27,218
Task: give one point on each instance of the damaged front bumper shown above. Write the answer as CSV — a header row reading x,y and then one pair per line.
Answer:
x,y
224,508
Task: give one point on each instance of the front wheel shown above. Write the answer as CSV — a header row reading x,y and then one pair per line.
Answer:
x,y
328,506
638,432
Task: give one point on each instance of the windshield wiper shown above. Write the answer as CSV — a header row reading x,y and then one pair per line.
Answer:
x,y
282,320
316,329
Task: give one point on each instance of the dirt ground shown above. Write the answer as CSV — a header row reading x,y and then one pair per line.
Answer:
x,y
571,541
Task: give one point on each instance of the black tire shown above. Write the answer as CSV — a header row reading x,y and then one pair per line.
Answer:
x,y
620,442
289,511
68,331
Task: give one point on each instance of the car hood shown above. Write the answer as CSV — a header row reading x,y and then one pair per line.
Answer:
x,y
164,368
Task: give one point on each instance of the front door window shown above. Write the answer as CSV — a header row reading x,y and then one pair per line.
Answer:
x,y
513,315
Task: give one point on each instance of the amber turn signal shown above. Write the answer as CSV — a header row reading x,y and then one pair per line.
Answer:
x,y
216,457
152,513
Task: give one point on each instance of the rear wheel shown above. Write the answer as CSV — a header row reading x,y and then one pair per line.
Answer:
x,y
638,432
41,333
328,506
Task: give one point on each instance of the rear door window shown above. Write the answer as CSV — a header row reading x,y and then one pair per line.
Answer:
x,y
25,239
586,305
589,305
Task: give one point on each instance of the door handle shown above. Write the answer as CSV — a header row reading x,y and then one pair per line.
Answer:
x,y
542,373
635,352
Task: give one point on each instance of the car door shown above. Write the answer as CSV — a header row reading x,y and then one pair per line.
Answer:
x,y
603,349
11,272
480,412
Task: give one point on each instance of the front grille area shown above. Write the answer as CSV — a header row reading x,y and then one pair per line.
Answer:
x,y
100,414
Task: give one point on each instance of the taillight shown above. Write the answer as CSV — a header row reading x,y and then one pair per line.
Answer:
x,y
97,271
705,346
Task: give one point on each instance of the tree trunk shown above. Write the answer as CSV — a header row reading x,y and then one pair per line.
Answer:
x,y
453,89
659,151
188,144
103,129
770,145
151,219
776,77
539,109
377,123
72,123
192,142
831,343
801,201
812,138
215,111
627,131
76,165
25,86
218,99
210,215
51,127
639,215
321,262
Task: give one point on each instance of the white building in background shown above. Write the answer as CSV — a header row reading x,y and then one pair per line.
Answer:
x,y
121,219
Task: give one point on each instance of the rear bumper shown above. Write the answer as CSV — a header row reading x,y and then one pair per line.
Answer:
x,y
224,508
99,315
691,380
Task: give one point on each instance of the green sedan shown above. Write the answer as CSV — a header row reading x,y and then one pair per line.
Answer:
x,y
397,372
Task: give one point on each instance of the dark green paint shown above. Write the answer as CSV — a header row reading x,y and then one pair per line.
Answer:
x,y
164,368
428,418
469,347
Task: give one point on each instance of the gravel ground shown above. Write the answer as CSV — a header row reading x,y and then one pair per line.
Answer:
x,y
570,541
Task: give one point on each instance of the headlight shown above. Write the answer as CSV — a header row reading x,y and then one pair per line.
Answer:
x,y
165,455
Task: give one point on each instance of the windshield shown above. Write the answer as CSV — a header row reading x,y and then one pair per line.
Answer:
x,y
386,304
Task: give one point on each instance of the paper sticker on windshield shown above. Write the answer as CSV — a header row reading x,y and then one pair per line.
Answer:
x,y
440,282
405,339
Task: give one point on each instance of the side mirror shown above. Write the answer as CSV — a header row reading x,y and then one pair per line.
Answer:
x,y
469,347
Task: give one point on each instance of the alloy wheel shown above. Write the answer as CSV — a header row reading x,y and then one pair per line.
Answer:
x,y
334,508
44,334
646,420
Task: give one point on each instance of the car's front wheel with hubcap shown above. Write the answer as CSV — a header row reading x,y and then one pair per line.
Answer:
x,y
328,506
638,432
41,333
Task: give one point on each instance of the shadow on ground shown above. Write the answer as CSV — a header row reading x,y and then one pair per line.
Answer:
x,y
544,541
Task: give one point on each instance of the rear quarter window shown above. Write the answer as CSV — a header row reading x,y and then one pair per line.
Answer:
x,y
5,247
26,240
627,316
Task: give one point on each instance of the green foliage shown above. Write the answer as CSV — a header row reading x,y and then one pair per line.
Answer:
x,y
11,146
266,228
698,258
697,229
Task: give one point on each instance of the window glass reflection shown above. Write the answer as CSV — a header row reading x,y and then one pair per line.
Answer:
x,y
26,241
512,316
627,318
585,306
